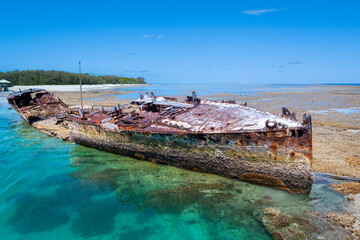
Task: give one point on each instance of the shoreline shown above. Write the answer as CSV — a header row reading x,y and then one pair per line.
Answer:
x,y
75,88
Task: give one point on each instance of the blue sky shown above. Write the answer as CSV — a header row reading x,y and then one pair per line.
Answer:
x,y
184,41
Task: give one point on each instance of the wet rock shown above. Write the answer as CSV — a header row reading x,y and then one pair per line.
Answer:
x,y
176,200
239,191
315,200
258,202
173,200
289,234
272,211
301,221
351,199
108,177
280,220
347,187
341,219
267,197
283,227
208,201
357,233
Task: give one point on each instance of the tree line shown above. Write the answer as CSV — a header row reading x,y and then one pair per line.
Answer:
x,y
41,77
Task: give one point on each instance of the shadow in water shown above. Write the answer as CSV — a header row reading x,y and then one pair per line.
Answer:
x,y
37,214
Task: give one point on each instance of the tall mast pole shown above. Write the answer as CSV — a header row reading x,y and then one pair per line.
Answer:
x,y
82,107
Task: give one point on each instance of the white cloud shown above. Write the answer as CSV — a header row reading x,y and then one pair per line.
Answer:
x,y
261,11
294,62
119,56
152,36
148,36
136,71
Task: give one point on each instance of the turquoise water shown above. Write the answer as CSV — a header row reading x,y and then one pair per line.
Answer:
x,y
50,189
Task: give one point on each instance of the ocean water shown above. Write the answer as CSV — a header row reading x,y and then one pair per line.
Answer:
x,y
50,189
175,89
349,110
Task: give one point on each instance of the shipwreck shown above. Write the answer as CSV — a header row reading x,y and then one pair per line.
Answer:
x,y
223,138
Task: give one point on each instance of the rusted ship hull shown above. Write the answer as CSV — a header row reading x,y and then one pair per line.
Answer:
x,y
36,104
270,158
226,139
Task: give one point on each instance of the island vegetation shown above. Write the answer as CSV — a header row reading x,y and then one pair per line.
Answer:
x,y
42,77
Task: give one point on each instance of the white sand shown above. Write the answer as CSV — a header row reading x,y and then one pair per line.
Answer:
x,y
75,88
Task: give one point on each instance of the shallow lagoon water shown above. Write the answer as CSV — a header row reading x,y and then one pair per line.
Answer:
x,y
348,110
52,189
176,89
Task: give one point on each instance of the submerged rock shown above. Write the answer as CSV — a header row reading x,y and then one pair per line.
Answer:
x,y
341,219
272,211
175,200
283,227
108,177
347,187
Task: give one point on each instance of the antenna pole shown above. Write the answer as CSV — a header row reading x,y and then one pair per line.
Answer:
x,y
82,107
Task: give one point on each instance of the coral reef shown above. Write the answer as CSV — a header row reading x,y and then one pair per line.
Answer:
x,y
341,219
283,227
347,187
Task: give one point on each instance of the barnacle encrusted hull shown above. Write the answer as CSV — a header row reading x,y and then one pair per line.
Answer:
x,y
268,158
227,139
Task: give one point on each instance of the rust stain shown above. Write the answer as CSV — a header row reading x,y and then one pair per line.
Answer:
x,y
273,148
262,179
140,156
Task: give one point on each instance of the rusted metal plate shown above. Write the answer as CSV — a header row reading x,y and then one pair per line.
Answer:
x,y
36,104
